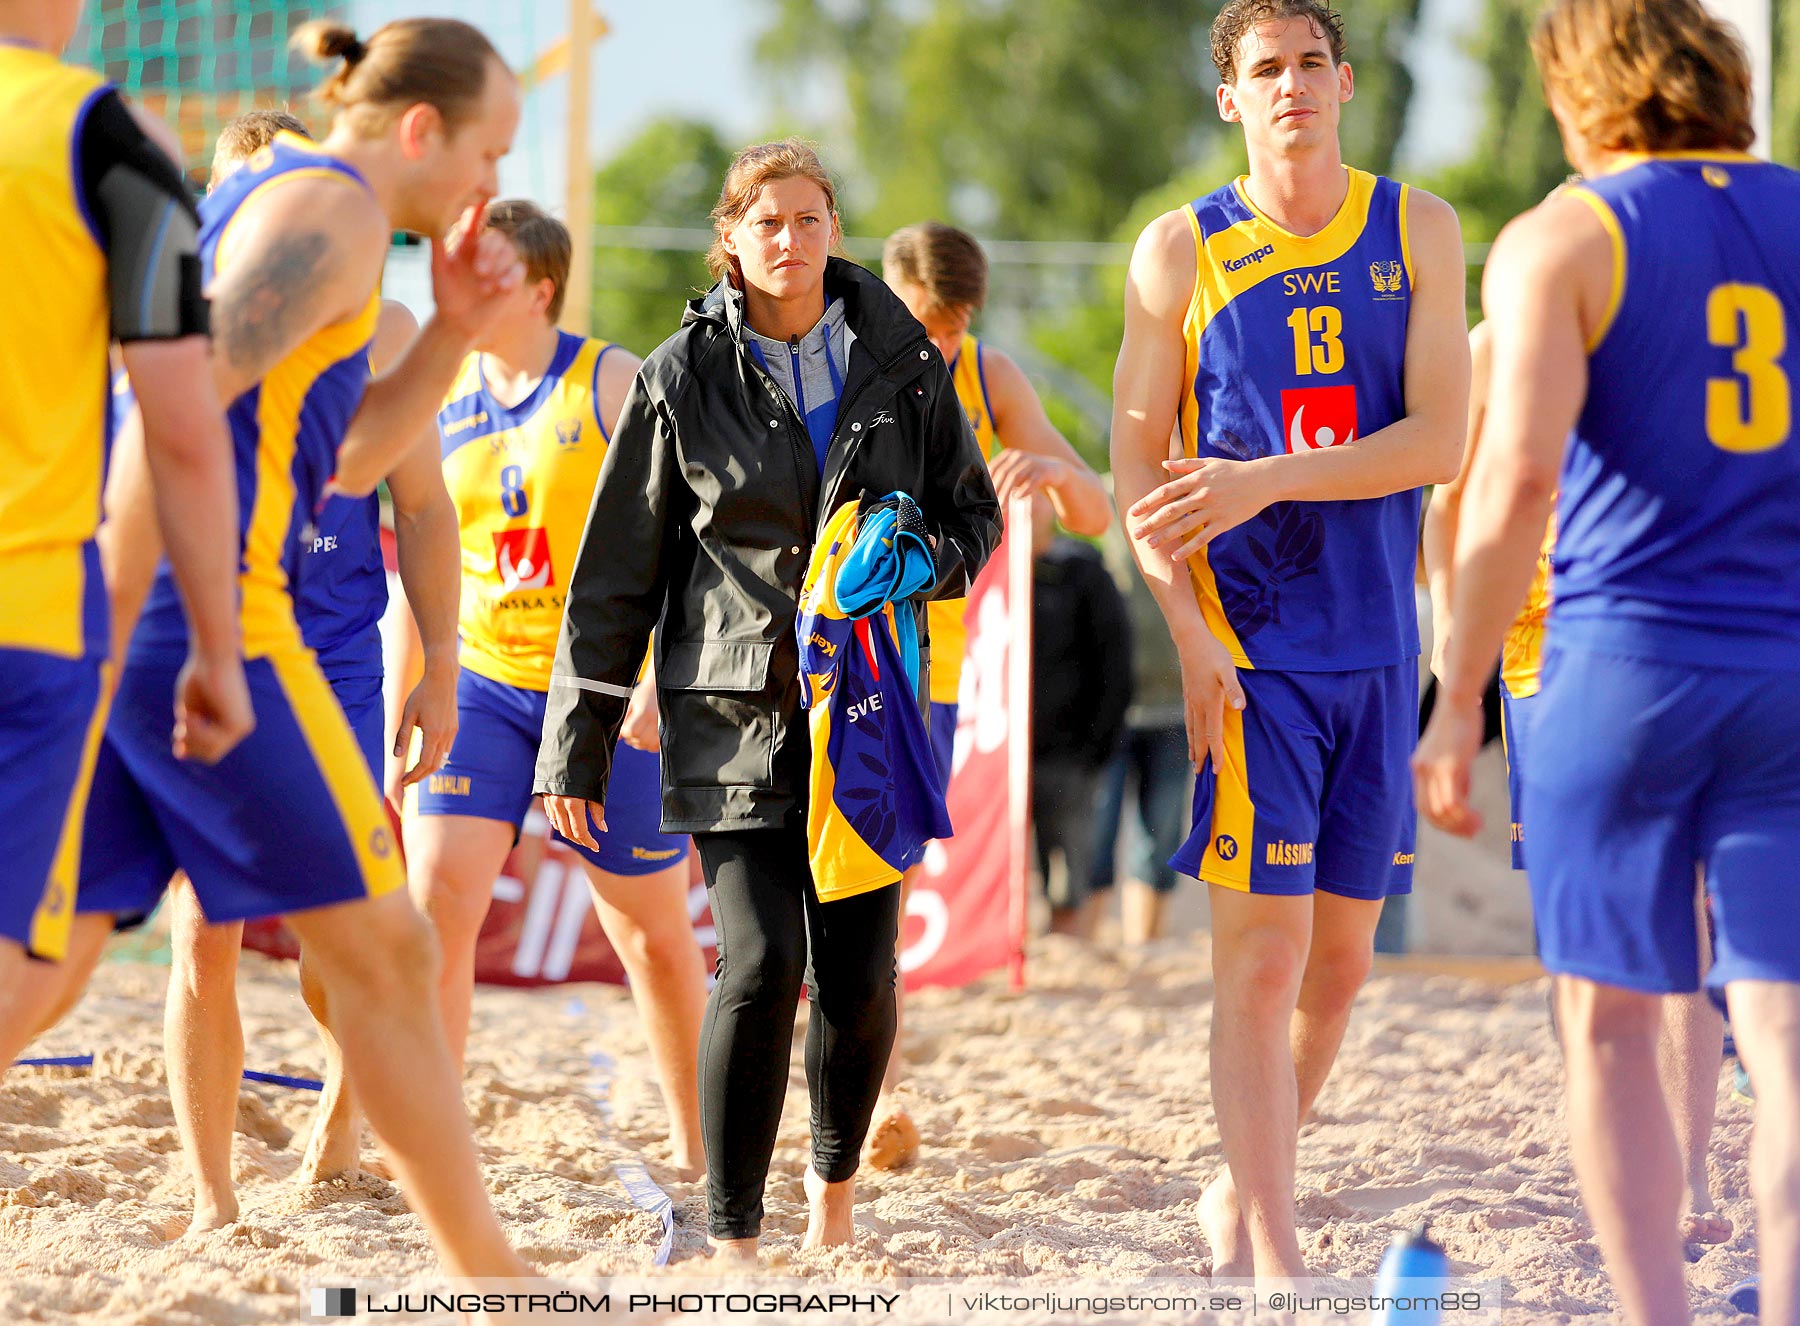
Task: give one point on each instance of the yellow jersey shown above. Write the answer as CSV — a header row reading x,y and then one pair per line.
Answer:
x,y
949,632
1522,654
54,380
522,478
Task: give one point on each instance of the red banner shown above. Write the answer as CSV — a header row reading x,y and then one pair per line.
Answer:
x,y
966,915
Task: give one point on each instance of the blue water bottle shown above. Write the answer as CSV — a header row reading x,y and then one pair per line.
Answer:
x,y
1415,1268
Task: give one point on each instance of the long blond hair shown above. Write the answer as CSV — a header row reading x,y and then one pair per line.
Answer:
x,y
1645,75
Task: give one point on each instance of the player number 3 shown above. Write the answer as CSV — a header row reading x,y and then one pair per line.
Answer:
x,y
1752,411
512,490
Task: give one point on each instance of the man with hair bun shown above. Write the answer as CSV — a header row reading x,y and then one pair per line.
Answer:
x,y
291,823
1646,335
341,595
1303,328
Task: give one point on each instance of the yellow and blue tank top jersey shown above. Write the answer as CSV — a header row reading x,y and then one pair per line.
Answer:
x,y
949,631
1522,651
54,430
285,430
1679,508
874,799
1295,343
522,478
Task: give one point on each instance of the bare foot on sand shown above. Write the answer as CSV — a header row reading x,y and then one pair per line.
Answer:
x,y
207,1218
893,1141
828,1215
1222,1225
1706,1227
332,1153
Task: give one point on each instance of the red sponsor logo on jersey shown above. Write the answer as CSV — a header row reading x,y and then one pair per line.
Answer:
x,y
1313,418
522,558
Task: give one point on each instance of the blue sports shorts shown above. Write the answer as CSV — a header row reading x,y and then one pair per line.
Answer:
x,y
1640,776
489,775
289,820
51,717
1316,793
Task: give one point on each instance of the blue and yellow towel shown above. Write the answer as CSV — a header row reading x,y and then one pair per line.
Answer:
x,y
875,798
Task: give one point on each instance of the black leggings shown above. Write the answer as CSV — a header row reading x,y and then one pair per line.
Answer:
x,y
768,921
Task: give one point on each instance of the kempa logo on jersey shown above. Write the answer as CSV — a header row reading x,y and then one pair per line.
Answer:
x,y
522,558
1238,264
568,434
464,425
1313,418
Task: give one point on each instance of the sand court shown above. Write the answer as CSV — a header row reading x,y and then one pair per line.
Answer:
x,y
1067,1128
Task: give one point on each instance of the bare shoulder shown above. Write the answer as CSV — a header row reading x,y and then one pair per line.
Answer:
x,y
1164,265
315,211
1433,225
1011,396
1561,236
1166,244
618,370
395,327
1001,371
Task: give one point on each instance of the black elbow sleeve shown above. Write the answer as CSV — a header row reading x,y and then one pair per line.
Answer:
x,y
147,223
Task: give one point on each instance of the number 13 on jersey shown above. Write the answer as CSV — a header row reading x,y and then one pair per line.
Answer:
x,y
1326,353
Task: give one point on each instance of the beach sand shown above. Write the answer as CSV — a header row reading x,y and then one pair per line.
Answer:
x,y
1067,1128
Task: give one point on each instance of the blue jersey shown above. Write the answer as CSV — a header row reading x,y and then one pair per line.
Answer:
x,y
1295,343
342,592
285,429
1680,499
343,588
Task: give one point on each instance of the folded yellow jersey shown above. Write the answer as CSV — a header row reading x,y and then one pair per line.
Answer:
x,y
875,799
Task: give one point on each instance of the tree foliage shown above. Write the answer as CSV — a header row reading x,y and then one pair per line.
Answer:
x,y
1066,120
669,175
1026,119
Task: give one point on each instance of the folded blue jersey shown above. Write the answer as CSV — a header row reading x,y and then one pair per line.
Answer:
x,y
875,798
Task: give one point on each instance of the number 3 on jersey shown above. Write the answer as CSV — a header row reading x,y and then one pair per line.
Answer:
x,y
1753,410
512,490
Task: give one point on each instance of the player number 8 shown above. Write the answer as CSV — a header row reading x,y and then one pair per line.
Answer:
x,y
512,490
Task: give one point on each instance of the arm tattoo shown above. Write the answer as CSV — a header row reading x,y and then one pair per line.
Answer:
x,y
264,309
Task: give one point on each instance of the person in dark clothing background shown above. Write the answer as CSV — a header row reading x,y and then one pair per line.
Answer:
x,y
799,383
1081,688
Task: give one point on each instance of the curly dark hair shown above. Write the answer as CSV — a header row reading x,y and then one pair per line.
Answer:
x,y
1239,16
